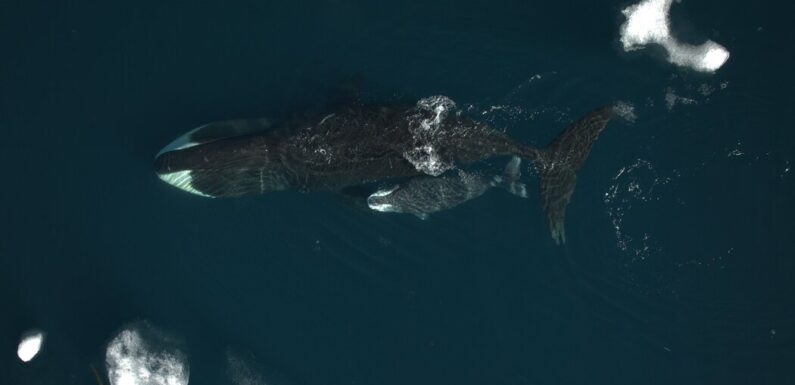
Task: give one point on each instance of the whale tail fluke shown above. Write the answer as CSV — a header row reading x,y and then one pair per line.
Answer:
x,y
557,166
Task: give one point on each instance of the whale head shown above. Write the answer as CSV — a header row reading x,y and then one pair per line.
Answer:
x,y
221,166
382,200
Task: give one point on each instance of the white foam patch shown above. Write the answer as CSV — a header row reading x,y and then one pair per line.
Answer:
x,y
426,126
426,158
142,355
242,370
706,89
672,99
648,23
626,111
182,180
634,187
30,345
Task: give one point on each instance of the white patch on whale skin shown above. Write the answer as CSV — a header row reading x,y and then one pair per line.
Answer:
x,y
182,180
382,207
384,192
647,23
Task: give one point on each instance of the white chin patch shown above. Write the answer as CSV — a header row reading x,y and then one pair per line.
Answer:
x,y
373,203
382,207
182,180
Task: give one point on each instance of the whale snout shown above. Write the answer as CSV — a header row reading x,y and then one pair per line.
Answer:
x,y
162,163
380,200
166,167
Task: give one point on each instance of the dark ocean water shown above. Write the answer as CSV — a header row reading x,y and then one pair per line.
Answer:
x,y
678,268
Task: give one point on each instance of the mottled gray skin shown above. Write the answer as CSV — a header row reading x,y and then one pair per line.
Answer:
x,y
364,144
424,195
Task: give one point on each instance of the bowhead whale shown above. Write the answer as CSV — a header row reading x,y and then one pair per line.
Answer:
x,y
364,144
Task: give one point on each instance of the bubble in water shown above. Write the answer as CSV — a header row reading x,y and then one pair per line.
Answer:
x,y
633,184
440,106
241,371
427,128
672,99
142,354
625,110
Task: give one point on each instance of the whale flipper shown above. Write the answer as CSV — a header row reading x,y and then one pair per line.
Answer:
x,y
557,165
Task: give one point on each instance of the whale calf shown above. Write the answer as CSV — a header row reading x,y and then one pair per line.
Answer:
x,y
364,144
424,195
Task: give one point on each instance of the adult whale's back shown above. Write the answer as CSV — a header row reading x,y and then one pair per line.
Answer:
x,y
357,145
352,146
